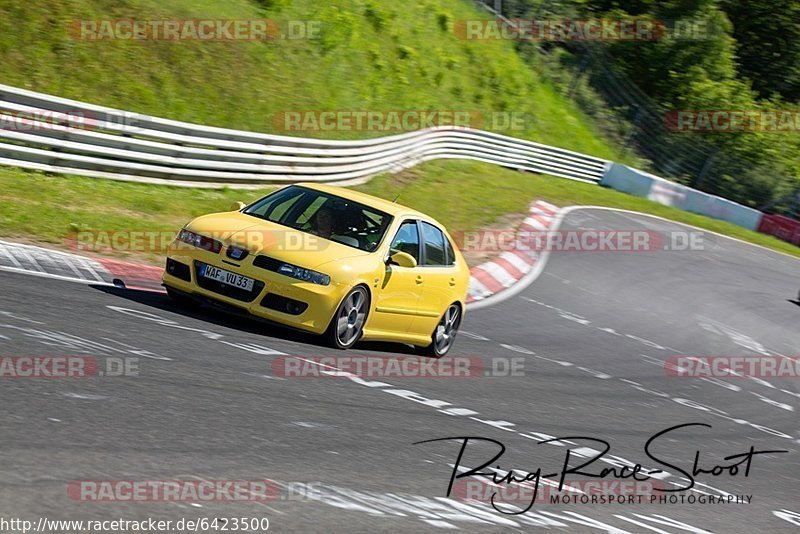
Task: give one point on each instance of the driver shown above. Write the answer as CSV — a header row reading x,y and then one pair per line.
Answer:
x,y
323,223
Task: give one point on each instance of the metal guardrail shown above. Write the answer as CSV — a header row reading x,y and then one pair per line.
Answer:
x,y
122,145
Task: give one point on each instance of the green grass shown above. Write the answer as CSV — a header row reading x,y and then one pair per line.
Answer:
x,y
462,195
369,55
47,209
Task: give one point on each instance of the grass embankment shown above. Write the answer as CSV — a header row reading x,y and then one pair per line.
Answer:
x,y
365,55
461,195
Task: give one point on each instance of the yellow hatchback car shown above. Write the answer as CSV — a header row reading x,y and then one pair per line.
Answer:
x,y
327,260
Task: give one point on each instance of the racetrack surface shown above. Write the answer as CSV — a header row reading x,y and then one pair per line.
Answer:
x,y
592,334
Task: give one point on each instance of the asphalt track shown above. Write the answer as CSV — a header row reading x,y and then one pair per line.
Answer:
x,y
592,334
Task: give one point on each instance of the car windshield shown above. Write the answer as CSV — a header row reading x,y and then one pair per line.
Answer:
x,y
328,216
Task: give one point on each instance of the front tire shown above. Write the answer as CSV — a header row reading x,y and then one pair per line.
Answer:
x,y
347,324
445,332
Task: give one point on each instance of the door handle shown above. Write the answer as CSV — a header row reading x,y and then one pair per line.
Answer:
x,y
419,279
452,281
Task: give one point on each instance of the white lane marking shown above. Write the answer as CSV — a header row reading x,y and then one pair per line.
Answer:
x,y
473,335
71,265
30,259
683,401
32,254
664,520
788,515
255,501
84,396
670,221
139,352
574,317
439,404
56,276
307,424
582,520
215,336
439,523
90,266
7,252
640,524
736,336
517,348
20,317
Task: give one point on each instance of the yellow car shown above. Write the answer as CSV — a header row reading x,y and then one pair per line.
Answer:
x,y
327,260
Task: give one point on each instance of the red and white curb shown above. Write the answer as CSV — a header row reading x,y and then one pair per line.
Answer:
x,y
48,263
499,274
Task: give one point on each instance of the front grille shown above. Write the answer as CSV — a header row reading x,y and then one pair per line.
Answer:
x,y
283,304
224,289
265,262
179,270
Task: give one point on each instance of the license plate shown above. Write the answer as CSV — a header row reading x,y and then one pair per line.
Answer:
x,y
227,277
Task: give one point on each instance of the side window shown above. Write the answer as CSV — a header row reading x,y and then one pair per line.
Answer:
x,y
451,255
407,239
434,245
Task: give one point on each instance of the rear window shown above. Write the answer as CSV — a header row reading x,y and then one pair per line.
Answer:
x,y
434,245
451,254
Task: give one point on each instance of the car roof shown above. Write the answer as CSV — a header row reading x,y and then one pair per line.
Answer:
x,y
392,208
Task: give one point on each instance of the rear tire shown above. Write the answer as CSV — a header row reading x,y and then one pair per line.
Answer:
x,y
445,332
347,324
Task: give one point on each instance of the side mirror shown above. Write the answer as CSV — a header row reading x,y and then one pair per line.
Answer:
x,y
238,206
403,259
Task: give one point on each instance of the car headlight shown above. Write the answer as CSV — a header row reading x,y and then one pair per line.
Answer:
x,y
199,241
306,275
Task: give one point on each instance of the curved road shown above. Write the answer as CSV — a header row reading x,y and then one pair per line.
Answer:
x,y
588,341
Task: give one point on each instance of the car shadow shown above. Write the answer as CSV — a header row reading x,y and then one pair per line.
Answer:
x,y
228,317
795,302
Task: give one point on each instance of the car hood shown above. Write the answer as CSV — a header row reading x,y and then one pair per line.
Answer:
x,y
274,240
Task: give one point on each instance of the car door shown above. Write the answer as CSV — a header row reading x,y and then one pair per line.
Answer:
x,y
439,271
397,298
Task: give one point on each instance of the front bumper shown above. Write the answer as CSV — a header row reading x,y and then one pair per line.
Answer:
x,y
274,297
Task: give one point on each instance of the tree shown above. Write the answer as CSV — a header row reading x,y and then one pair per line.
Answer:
x,y
768,35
